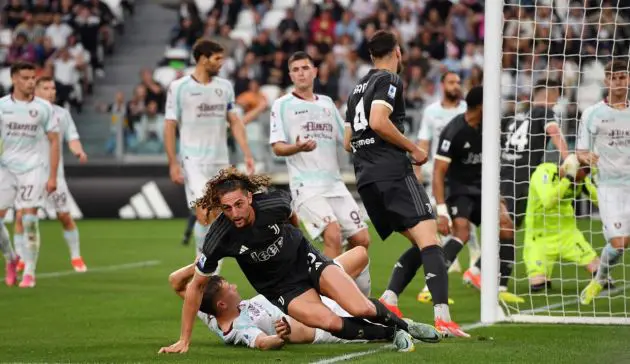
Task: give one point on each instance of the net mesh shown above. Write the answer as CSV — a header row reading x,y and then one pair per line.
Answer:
x,y
568,43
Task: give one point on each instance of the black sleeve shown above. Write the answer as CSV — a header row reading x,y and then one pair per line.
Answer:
x,y
277,205
446,146
212,250
386,89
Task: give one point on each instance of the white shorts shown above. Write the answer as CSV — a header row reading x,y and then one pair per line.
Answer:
x,y
614,209
196,175
24,190
317,212
58,200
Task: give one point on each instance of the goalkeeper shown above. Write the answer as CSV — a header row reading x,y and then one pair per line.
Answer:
x,y
551,232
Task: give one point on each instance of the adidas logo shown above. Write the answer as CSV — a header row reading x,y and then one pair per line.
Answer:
x,y
467,145
243,249
146,204
429,276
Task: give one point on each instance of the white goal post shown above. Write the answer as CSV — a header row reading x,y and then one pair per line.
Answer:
x,y
580,82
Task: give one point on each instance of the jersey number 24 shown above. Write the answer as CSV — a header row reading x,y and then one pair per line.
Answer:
x,y
517,137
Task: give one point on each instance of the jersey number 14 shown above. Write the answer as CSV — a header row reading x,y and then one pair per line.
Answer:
x,y
359,122
517,137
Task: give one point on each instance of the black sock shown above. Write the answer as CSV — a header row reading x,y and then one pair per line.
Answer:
x,y
189,227
451,249
506,257
435,273
358,329
386,317
405,269
478,263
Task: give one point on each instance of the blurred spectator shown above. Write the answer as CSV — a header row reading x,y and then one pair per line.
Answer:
x,y
226,11
252,101
241,80
363,9
472,57
136,106
276,71
326,83
323,28
88,28
149,129
224,39
66,9
407,25
58,32
117,110
154,91
29,28
452,61
292,42
288,24
66,73
188,10
44,51
14,12
459,24
263,48
42,12
186,36
21,50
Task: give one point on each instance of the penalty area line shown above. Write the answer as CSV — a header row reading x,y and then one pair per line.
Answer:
x,y
109,268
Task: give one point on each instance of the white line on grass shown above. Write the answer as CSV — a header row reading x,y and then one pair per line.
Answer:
x,y
468,327
109,268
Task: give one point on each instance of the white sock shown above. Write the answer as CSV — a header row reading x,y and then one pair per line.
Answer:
x,y
325,337
31,248
72,239
610,256
18,243
5,243
200,232
390,298
364,281
441,311
474,270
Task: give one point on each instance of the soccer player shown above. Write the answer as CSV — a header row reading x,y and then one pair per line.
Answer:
x,y
458,168
524,139
58,200
604,142
201,104
261,231
25,122
392,195
307,129
434,119
256,322
551,231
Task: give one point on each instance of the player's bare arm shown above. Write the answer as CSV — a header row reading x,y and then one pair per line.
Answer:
x,y
440,167
347,137
170,145
424,145
76,148
269,342
237,128
557,138
283,149
53,145
192,302
380,123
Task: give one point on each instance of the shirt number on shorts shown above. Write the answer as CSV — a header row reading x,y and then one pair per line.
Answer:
x,y
356,218
26,191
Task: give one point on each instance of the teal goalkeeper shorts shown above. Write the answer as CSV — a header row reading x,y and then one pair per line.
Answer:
x,y
540,254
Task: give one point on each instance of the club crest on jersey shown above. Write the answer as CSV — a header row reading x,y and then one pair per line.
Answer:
x,y
275,228
202,260
218,91
617,225
446,145
391,93
32,113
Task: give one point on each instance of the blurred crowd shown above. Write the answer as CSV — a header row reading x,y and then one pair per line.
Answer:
x,y
66,39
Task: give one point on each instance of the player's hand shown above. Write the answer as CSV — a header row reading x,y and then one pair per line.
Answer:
x,y
419,156
443,220
283,329
51,185
82,157
305,146
250,165
571,165
175,171
179,347
588,159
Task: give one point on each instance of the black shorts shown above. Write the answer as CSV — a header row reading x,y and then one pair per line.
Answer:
x,y
310,272
514,194
396,205
465,206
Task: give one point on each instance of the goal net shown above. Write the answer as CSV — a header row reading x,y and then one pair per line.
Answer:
x,y
564,43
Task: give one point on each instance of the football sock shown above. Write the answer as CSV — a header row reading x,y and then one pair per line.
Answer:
x,y
451,248
72,239
355,328
190,224
200,235
18,242
31,248
404,270
506,260
435,273
386,317
364,281
610,256
5,243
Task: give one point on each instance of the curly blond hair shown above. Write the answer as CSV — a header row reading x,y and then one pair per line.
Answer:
x,y
228,180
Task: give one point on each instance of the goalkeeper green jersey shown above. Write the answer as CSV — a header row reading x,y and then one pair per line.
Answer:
x,y
550,204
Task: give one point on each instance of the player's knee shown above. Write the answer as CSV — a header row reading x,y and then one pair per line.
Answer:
x,y
461,230
329,321
361,308
361,239
620,242
507,228
66,221
332,235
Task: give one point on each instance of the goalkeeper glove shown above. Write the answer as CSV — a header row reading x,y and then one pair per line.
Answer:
x,y
442,210
570,166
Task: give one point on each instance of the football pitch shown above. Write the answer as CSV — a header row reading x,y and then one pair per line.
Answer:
x,y
123,310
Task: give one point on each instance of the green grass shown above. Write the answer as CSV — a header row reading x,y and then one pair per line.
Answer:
x,y
126,315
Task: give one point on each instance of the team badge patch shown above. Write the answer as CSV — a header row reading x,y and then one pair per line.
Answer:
x,y
218,91
202,260
446,145
391,93
32,113
617,225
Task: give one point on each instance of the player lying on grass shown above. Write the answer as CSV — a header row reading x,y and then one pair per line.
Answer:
x,y
260,230
256,322
551,232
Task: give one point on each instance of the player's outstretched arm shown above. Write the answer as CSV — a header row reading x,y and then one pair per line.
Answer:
x,y
180,278
585,141
555,134
192,302
269,342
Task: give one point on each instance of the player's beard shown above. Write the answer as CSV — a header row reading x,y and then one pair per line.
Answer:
x,y
212,73
452,95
